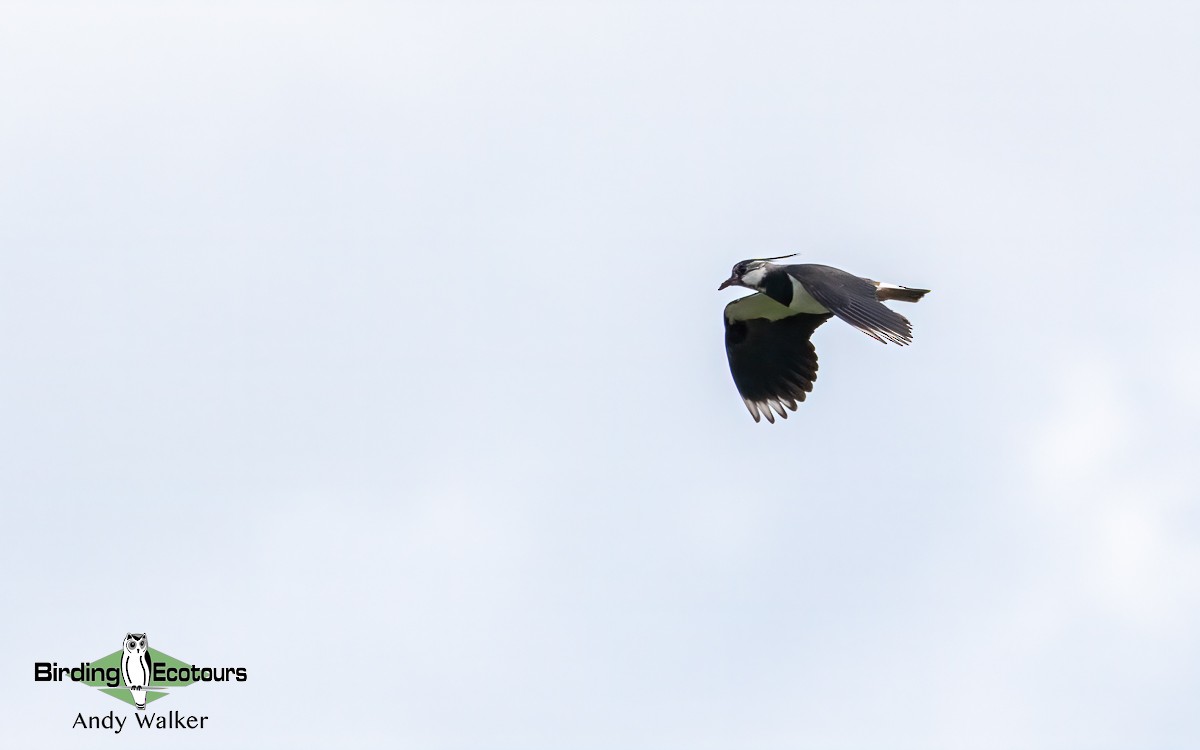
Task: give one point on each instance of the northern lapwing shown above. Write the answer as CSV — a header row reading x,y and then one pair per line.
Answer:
x,y
767,333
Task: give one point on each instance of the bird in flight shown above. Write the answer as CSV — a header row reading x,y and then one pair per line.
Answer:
x,y
767,333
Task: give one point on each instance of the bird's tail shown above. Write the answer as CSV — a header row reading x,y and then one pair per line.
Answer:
x,y
901,293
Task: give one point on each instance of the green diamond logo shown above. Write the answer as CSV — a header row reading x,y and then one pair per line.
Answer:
x,y
177,669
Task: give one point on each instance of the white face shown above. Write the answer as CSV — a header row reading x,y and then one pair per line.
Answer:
x,y
753,277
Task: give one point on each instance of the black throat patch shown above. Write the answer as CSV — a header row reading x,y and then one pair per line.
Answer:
x,y
778,286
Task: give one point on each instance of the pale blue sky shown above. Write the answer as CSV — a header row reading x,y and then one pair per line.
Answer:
x,y
377,348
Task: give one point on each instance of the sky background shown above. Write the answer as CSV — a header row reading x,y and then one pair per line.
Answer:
x,y
377,348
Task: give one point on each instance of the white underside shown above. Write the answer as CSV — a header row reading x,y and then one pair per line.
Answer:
x,y
759,305
803,302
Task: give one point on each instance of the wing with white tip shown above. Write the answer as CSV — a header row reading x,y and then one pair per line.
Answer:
x,y
772,360
854,300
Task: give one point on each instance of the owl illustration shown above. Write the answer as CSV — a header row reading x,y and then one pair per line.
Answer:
x,y
135,667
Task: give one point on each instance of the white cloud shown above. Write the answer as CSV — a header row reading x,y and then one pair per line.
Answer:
x,y
1120,516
